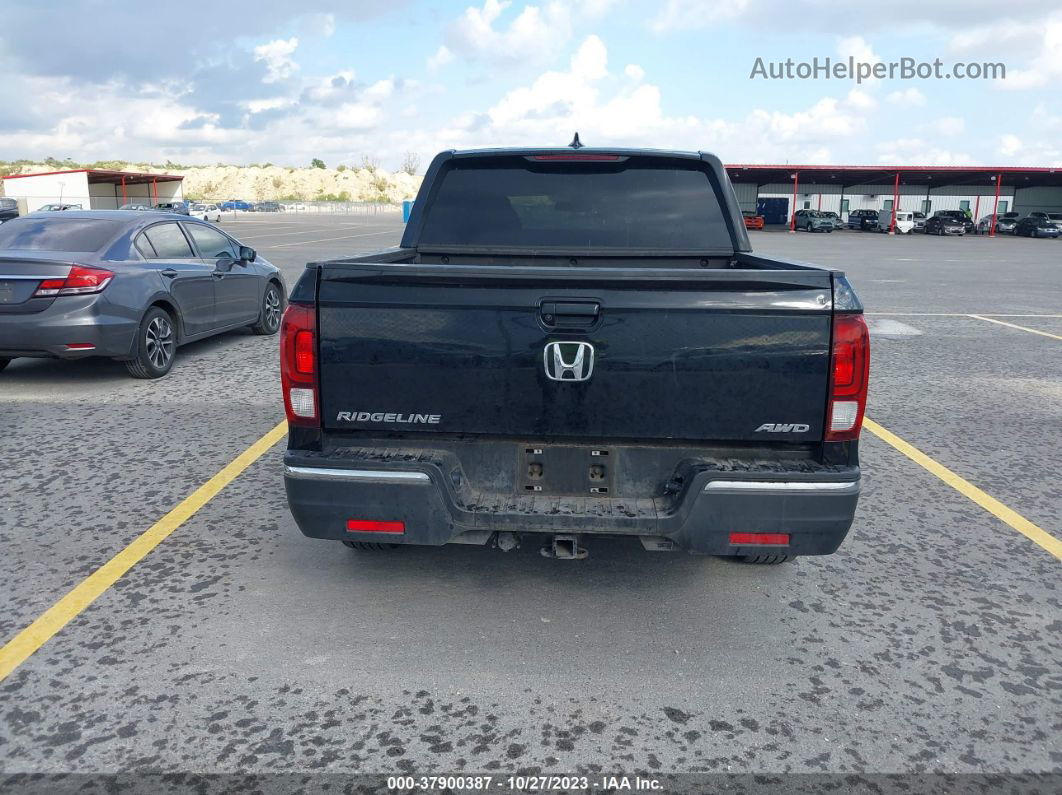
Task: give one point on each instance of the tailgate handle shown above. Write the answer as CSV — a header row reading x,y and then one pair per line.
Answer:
x,y
569,313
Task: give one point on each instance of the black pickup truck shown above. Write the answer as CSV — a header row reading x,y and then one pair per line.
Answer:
x,y
569,343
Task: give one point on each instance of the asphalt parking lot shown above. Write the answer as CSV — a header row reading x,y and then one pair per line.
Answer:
x,y
929,643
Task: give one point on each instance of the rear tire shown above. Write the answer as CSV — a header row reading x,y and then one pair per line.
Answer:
x,y
766,558
4,362
156,345
368,546
271,311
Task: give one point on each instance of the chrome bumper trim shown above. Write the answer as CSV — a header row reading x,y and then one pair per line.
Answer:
x,y
777,485
360,475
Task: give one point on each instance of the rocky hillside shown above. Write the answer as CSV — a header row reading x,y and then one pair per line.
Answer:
x,y
261,182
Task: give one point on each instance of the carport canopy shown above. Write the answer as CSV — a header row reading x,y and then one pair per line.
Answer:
x,y
930,176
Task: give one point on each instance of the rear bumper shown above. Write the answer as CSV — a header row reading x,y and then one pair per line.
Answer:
x,y
816,512
79,320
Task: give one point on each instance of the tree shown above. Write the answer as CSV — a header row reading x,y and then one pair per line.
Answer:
x,y
317,163
370,163
410,163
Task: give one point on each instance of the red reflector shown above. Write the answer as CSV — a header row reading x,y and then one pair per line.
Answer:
x,y
760,539
304,352
80,346
370,526
51,284
578,158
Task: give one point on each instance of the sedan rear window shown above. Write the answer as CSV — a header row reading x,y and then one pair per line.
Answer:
x,y
637,203
58,233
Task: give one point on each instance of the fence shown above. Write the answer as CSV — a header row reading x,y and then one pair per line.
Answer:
x,y
230,207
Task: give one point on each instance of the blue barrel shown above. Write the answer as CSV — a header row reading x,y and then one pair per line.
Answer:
x,y
407,208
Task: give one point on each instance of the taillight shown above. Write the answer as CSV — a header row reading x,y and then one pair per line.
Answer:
x,y
298,364
849,374
79,281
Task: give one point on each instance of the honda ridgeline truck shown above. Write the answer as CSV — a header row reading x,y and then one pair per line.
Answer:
x,y
569,343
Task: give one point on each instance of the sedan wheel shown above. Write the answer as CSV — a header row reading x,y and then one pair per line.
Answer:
x,y
156,345
272,310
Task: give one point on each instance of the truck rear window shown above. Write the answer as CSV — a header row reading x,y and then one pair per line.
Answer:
x,y
640,203
57,234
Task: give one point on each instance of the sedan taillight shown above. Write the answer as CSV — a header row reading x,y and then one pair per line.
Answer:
x,y
79,281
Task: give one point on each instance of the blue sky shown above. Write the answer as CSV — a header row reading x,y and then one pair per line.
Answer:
x,y
285,82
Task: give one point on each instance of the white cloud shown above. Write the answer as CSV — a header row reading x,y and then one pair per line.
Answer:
x,y
861,99
277,57
440,58
634,72
910,97
1009,145
271,103
918,152
946,126
692,14
536,33
605,112
1045,67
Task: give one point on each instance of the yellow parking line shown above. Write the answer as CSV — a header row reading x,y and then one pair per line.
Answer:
x,y
1018,522
30,639
1014,325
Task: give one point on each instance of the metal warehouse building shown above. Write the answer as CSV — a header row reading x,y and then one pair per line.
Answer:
x,y
841,189
93,189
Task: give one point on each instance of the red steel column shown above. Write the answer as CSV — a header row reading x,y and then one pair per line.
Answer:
x,y
895,201
155,190
995,207
792,217
125,199
977,211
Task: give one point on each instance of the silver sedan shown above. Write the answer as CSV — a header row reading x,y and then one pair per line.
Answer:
x,y
131,286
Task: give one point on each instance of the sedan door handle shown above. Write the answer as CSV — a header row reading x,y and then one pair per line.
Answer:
x,y
219,275
169,273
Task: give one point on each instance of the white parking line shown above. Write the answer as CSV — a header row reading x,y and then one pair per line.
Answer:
x,y
296,232
982,315
327,239
1020,328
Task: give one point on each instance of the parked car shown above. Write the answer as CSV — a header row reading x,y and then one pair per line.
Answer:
x,y
600,372
919,221
1003,225
138,206
8,209
1055,218
957,216
208,212
753,220
143,284
834,218
945,224
54,208
235,204
268,207
863,219
1036,226
173,207
813,221
904,222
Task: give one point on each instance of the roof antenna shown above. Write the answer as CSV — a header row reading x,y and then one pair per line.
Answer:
x,y
576,143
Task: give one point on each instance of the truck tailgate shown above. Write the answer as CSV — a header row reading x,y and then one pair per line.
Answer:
x,y
736,355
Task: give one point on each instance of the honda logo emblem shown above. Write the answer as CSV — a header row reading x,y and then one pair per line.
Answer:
x,y
569,361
